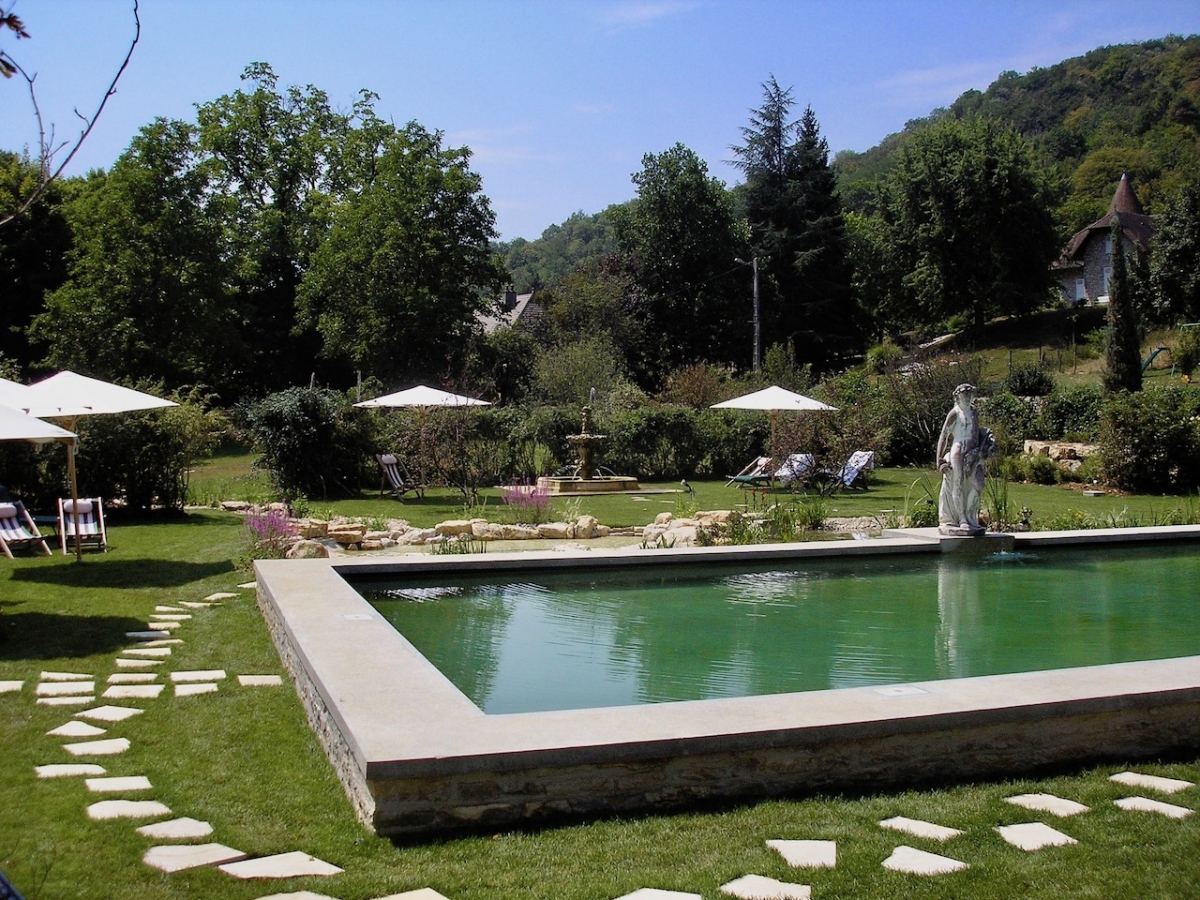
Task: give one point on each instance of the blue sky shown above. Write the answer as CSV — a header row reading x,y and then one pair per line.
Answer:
x,y
557,100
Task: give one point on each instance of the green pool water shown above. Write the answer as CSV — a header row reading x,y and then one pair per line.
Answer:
x,y
591,638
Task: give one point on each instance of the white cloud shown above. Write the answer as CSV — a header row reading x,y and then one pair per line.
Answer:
x,y
640,13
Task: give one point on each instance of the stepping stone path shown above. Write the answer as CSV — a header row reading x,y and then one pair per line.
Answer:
x,y
116,783
132,678
133,691
76,729
1153,782
1030,836
918,862
110,713
66,676
807,854
184,828
127,809
282,865
260,680
656,894
10,687
177,857
137,663
191,690
199,675
81,700
60,688
67,769
759,887
109,747
1048,803
1145,804
920,829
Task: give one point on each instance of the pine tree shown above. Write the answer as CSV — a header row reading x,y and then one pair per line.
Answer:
x,y
1123,354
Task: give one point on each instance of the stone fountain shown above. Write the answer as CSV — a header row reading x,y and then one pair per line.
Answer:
x,y
585,477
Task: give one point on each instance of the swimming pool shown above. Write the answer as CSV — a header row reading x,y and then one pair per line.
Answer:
x,y
416,755
592,638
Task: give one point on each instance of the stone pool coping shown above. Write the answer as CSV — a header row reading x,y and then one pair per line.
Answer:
x,y
417,757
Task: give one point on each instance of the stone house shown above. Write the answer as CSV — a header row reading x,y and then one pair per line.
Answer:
x,y
514,308
1085,267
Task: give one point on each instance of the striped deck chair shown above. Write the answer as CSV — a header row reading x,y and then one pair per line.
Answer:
x,y
757,474
853,474
17,528
395,480
91,523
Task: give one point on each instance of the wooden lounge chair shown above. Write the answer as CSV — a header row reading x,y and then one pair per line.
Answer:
x,y
91,523
395,480
757,474
853,475
17,529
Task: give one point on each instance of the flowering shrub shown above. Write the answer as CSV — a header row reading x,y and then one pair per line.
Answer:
x,y
527,504
268,534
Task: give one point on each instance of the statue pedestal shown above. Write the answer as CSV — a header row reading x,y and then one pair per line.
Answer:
x,y
961,530
992,542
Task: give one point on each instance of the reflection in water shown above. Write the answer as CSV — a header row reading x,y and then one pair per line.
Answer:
x,y
654,634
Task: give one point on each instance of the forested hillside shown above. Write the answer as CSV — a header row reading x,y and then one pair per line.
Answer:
x,y
1124,109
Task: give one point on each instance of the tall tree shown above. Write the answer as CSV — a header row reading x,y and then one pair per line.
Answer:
x,y
1175,258
683,237
395,286
146,295
797,229
968,215
1124,353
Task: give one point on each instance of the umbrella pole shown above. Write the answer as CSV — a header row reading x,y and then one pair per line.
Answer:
x,y
74,493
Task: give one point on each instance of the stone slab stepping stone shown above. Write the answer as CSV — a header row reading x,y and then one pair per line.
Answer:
x,y
137,663
1048,803
307,895
807,854
1145,804
177,857
920,829
63,688
166,627
1030,836
170,617
66,770
109,713
759,887
656,894
195,605
260,680
109,747
132,678
182,829
149,652
118,783
919,862
168,609
163,642
419,894
149,635
66,676
1153,782
281,865
198,675
76,729
251,586
192,690
133,691
127,809
10,687
81,700
219,595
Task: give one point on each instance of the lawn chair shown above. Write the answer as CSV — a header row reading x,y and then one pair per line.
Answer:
x,y
794,471
395,480
757,474
91,523
853,475
17,529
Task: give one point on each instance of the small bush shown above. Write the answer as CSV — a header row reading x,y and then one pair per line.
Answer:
x,y
1071,414
526,504
268,534
1186,355
883,357
1150,440
1029,380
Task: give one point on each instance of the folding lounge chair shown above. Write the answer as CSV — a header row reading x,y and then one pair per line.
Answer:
x,y
17,529
757,474
395,480
91,523
795,470
853,474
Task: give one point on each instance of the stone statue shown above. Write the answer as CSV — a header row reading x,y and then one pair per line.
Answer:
x,y
962,450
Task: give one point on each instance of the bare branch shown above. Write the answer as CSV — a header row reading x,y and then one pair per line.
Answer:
x,y
47,152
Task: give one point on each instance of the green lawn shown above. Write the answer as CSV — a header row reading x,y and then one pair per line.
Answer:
x,y
246,761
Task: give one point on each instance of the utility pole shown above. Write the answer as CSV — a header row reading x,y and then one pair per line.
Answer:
x,y
757,322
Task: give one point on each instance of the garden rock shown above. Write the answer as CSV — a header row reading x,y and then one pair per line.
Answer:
x,y
454,527
308,550
486,531
346,533
235,506
560,531
663,518
518,532
585,527
312,528
416,536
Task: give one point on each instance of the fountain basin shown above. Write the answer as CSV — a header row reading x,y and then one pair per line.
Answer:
x,y
598,484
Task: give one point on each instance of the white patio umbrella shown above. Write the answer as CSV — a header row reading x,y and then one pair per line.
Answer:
x,y
775,400
69,396
16,425
422,396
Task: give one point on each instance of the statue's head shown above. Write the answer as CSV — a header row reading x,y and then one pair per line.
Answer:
x,y
964,389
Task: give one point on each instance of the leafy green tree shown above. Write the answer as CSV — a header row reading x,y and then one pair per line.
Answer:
x,y
683,237
968,216
1123,354
1175,258
146,294
797,230
280,160
33,250
395,286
